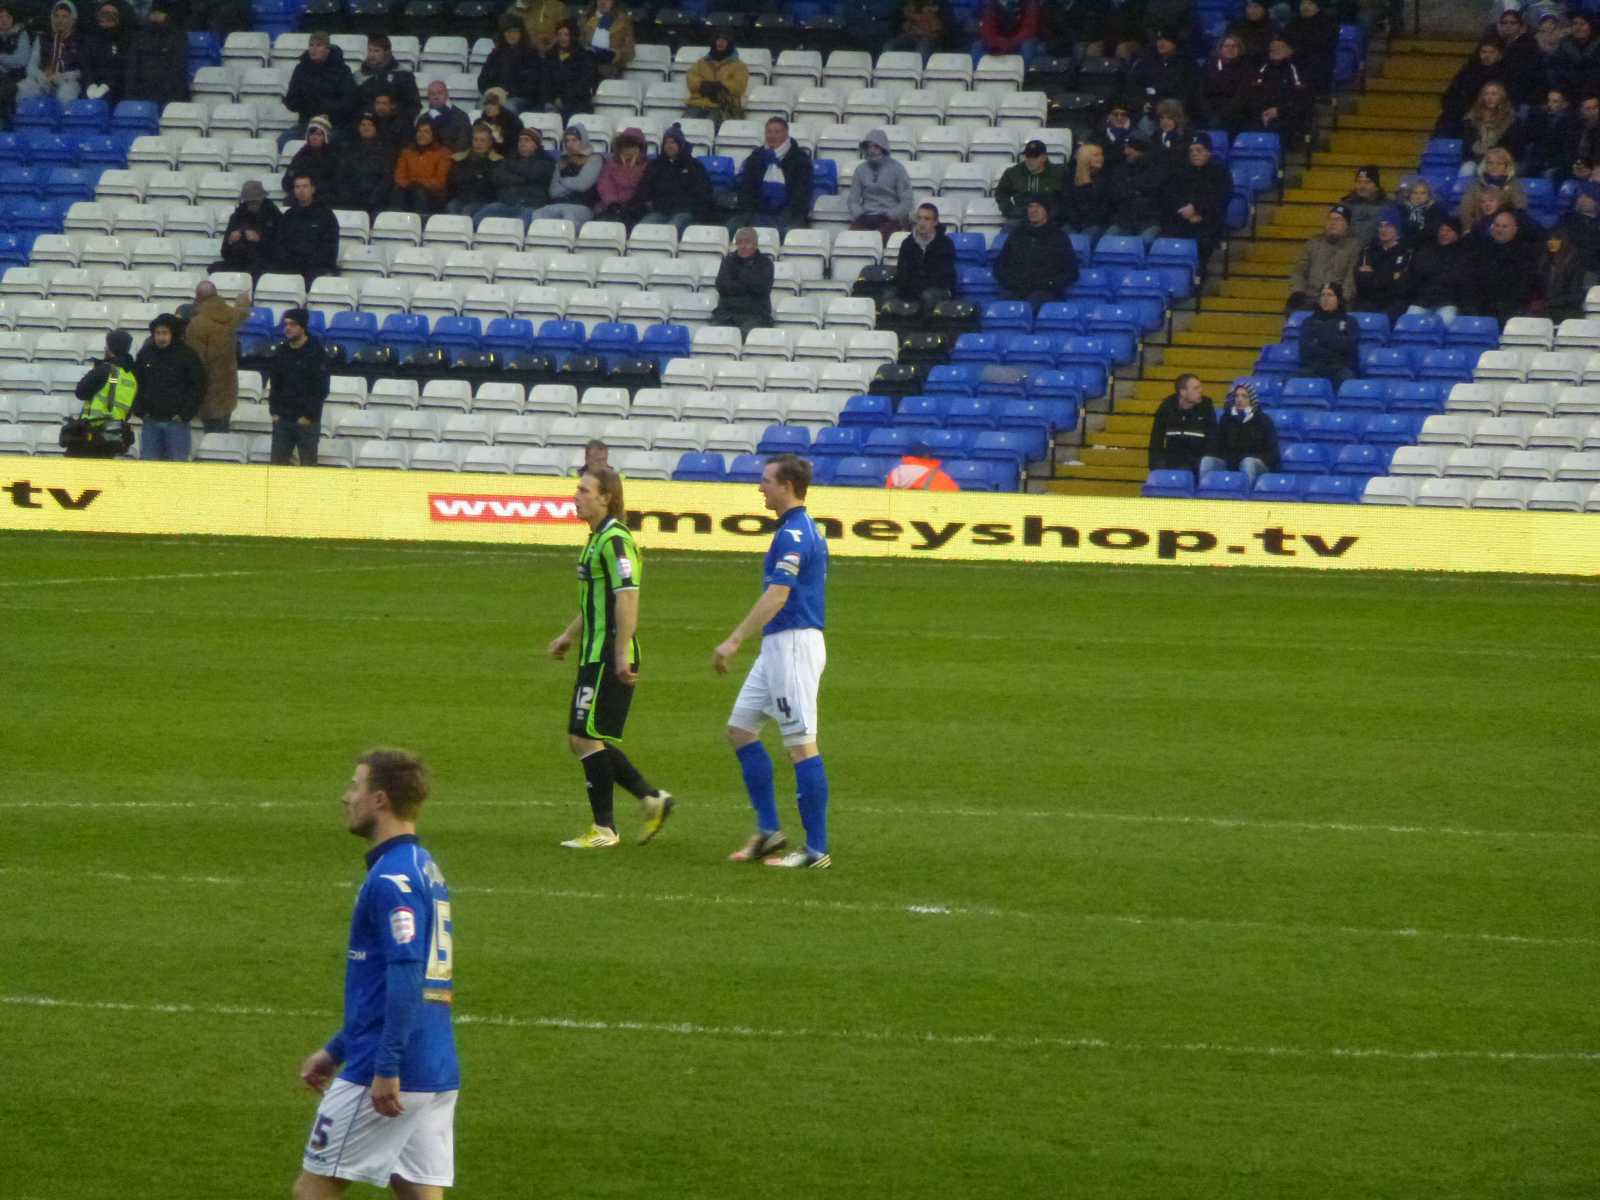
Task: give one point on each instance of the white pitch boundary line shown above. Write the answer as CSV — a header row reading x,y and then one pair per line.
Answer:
x,y
984,814
171,575
905,1037
926,908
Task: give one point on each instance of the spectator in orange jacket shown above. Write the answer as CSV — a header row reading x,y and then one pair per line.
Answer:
x,y
422,173
920,471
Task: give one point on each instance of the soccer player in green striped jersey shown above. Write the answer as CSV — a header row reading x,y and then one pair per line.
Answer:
x,y
609,574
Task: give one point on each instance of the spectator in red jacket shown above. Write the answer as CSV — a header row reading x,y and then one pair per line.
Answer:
x,y
1009,27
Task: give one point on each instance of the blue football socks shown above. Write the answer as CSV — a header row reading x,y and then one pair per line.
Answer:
x,y
811,784
757,767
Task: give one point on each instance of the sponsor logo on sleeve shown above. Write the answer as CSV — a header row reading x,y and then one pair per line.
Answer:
x,y
403,925
624,567
789,564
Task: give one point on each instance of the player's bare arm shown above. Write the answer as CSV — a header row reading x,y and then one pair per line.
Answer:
x,y
627,615
318,1070
764,609
558,647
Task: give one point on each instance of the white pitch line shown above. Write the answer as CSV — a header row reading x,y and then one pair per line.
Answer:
x,y
981,814
292,571
921,909
904,1037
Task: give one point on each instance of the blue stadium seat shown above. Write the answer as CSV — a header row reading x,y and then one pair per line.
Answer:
x,y
1178,262
1292,323
836,441
1253,176
1374,328
860,472
1118,327
973,412
1287,422
1178,484
1257,147
1366,394
613,340
403,332
1390,429
459,335
976,284
1055,387
696,467
205,50
32,216
666,342
560,339
1004,474
353,330
1331,427
1146,293
1003,382
971,249
14,250
101,150
1388,362
888,442
11,148
1062,316
1454,364
959,378
86,116
509,336
70,183
1026,349
1418,329
722,169
1276,485
922,411
22,181
1117,251
1473,332
136,116
824,177
46,149
1335,489
746,468
36,112
1223,485
1094,283
1443,152
1007,316
976,348
866,411
784,439
947,443
1306,393
260,322
1079,244
1421,396
1004,444
1028,414
970,475
822,469
1268,387
1279,358
1360,460
1306,458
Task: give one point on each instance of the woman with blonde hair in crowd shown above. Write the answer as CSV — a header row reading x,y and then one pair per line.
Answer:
x,y
1483,200
1088,205
1491,121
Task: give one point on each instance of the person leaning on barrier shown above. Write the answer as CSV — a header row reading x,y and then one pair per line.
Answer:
x,y
108,391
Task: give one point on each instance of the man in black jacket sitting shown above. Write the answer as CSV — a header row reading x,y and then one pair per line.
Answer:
x,y
1183,428
307,241
1244,438
297,386
744,285
172,383
927,267
1037,263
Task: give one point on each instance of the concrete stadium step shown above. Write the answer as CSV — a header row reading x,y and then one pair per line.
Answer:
x,y
1127,429
1231,324
1115,456
1134,475
1367,141
1251,305
1329,167
1197,359
1419,122
1326,197
1291,233
1455,48
1090,487
1209,339
1256,289
1405,85
1423,68
1296,216
1395,105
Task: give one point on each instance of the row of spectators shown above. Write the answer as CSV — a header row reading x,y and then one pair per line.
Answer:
x,y
115,56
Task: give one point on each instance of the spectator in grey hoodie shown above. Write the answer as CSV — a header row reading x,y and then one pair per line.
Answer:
x,y
572,189
880,192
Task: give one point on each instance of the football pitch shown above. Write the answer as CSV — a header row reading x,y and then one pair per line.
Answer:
x,y
1148,882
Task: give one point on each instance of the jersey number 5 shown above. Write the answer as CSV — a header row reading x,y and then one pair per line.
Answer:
x,y
441,951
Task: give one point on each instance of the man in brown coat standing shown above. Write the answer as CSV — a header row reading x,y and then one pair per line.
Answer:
x,y
213,334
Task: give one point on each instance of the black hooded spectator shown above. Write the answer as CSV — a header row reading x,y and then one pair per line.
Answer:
x,y
1487,66
172,384
308,235
1254,30
1381,269
105,54
1164,72
570,75
1501,266
316,158
365,169
1183,428
1280,100
321,86
394,130
1195,199
1546,133
1225,86
1577,56
1364,201
380,72
1116,130
675,190
1037,263
1419,211
521,180
1137,187
1438,279
472,176
1524,60
1561,287
503,123
1314,34
1089,204
158,59
297,388
1330,339
744,285
1244,438
1581,226
926,268
249,241
512,65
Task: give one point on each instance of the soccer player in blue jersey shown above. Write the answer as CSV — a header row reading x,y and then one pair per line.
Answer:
x,y
784,679
388,1118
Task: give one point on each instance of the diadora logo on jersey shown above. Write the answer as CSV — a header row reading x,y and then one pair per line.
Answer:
x,y
515,509
624,567
403,925
400,881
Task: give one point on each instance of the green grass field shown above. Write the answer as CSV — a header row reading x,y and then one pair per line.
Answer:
x,y
1148,882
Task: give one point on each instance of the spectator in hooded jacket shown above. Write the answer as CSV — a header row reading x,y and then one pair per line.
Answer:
x,y
744,285
1225,86
379,72
502,121
1330,339
717,82
1195,201
316,159
56,66
158,59
511,66
1279,98
1438,280
675,190
572,187
1254,29
213,334
105,54
1244,437
1332,254
451,126
1089,205
569,75
1381,269
172,384
321,85
1008,27
1314,34
307,242
297,387
926,268
1561,283
880,190
422,173
775,183
1034,176
250,239
472,174
364,169
522,180
1486,66
16,50
1183,428
617,188
1037,263
606,31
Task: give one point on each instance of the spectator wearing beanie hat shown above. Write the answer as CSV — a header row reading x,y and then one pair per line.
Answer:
x,y
1365,201
1195,200
521,180
1332,254
297,386
316,159
500,117
1244,438
172,385
675,190
1437,276
1381,269
107,392
250,240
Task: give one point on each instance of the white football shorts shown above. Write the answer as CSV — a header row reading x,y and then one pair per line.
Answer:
x,y
352,1140
783,684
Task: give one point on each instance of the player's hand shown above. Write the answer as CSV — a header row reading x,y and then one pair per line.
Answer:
x,y
557,649
723,655
386,1095
317,1070
624,669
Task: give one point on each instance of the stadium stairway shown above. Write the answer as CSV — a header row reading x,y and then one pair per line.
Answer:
x,y
1385,124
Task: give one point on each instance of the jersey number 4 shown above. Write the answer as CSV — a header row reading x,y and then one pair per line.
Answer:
x,y
441,951
782,705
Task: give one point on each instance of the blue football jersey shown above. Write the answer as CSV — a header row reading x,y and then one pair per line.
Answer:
x,y
402,914
798,560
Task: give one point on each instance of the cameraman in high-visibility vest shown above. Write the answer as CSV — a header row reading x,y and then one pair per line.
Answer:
x,y
108,392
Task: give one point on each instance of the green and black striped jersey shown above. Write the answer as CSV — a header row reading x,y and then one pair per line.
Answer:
x,y
609,564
